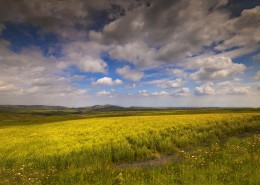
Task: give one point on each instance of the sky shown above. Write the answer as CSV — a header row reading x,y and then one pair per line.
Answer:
x,y
159,53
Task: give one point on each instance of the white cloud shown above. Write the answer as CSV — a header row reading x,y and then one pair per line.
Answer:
x,y
182,92
215,68
225,88
239,90
42,82
130,74
62,65
104,81
171,84
93,65
33,90
221,3
85,55
104,92
143,92
131,86
7,88
107,81
95,36
225,84
205,89
118,82
177,72
161,93
137,53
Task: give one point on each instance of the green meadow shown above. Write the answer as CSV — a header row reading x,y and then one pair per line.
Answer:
x,y
200,146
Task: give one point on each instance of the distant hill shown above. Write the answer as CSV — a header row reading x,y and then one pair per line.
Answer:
x,y
101,108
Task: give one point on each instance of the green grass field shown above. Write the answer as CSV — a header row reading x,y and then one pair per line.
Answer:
x,y
130,147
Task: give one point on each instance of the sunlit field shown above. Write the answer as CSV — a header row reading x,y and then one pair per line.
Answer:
x,y
145,147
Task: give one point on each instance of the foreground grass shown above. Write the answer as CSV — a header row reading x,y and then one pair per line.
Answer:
x,y
234,162
87,151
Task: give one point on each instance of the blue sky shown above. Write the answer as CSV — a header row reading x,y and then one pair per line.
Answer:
x,y
130,53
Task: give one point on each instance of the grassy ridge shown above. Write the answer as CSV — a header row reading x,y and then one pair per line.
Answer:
x,y
85,151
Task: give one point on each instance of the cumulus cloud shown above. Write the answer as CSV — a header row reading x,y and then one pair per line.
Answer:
x,y
108,81
185,91
104,81
171,84
89,64
130,74
215,68
85,55
137,53
205,89
118,82
224,88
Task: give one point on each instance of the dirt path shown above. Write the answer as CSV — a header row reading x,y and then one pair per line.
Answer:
x,y
147,163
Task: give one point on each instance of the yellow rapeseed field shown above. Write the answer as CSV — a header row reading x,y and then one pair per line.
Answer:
x,y
92,147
